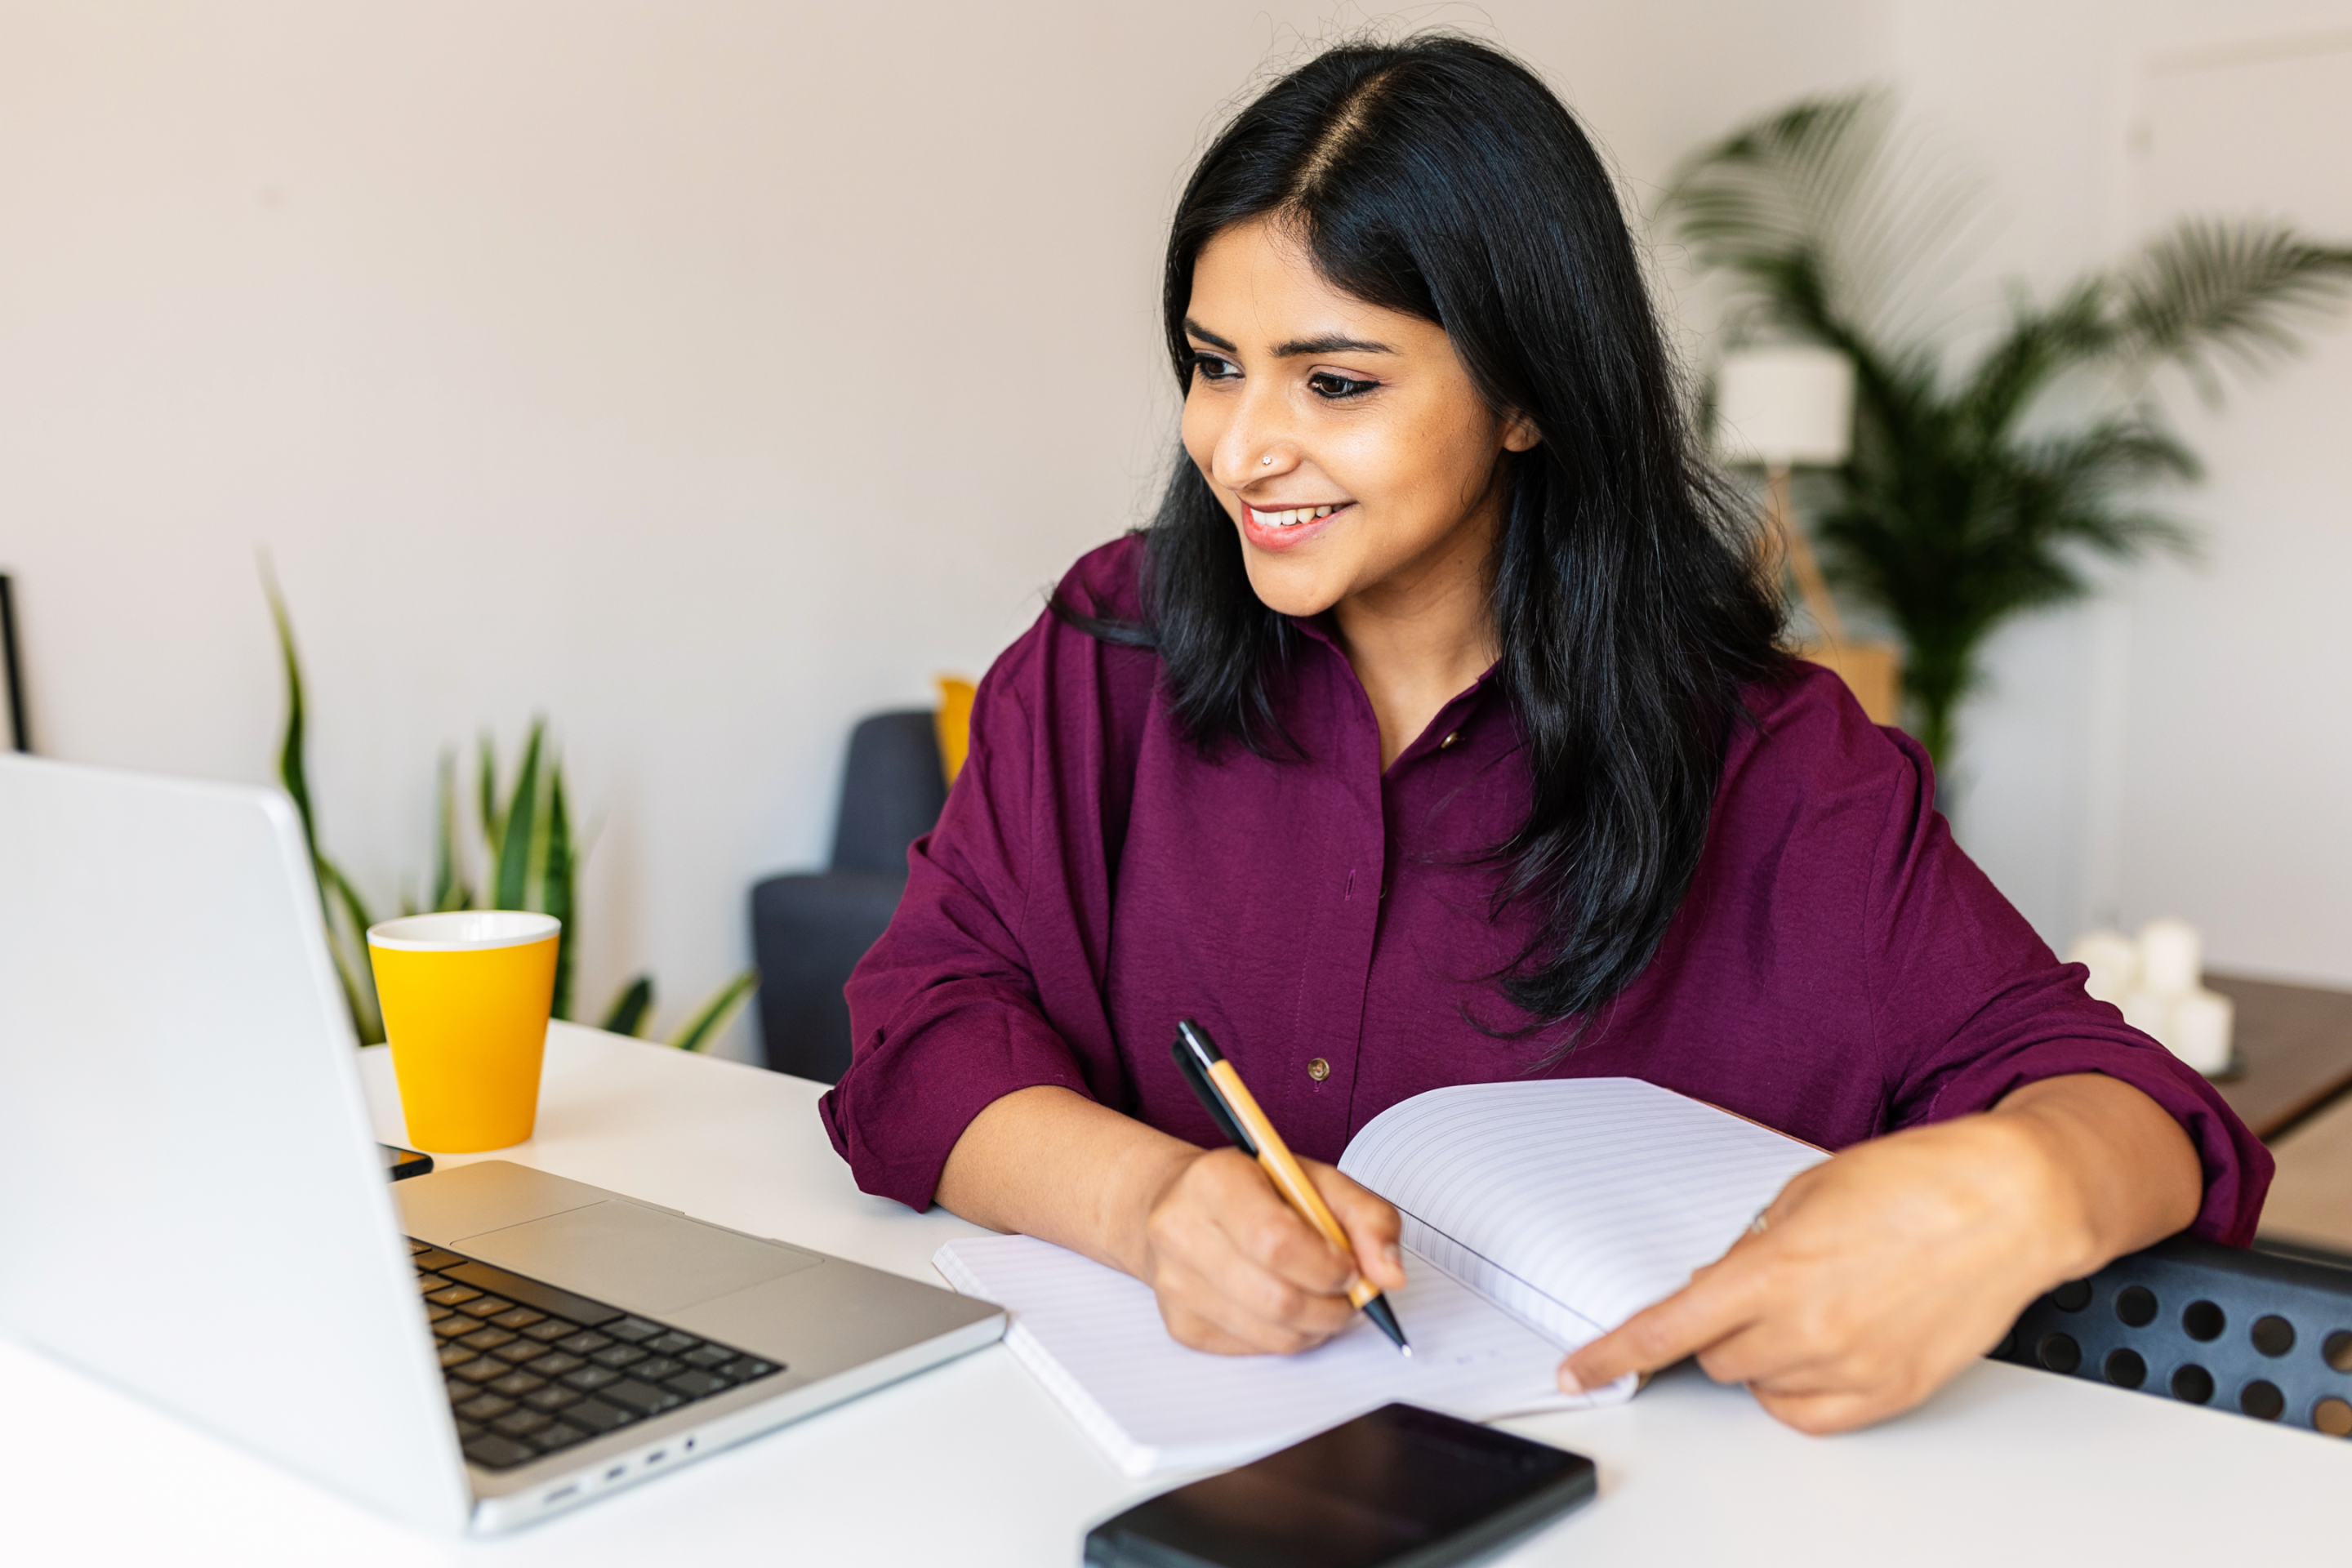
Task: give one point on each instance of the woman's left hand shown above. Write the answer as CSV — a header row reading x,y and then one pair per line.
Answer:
x,y
1877,1275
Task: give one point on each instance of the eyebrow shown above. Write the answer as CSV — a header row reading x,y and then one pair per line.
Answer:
x,y
1296,347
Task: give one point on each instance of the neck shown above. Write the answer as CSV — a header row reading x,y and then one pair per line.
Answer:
x,y
1422,637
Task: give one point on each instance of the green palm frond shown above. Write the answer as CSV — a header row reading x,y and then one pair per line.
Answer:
x,y
2209,291
2039,346
1826,218
1963,503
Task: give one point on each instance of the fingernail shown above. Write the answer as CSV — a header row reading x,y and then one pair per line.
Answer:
x,y
1393,1256
1568,1383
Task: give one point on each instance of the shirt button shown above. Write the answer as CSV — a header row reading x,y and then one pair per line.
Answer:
x,y
1319,1069
1449,739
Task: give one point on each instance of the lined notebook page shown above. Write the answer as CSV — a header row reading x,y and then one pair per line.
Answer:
x,y
1094,1337
1573,1203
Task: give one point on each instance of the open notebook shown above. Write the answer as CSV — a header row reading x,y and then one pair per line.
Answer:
x,y
1537,1215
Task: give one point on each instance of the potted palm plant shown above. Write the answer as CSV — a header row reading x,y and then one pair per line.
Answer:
x,y
1981,479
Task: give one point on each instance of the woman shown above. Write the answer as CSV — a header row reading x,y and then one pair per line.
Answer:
x,y
1434,733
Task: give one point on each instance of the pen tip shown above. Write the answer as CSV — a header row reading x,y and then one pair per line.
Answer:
x,y
1406,1349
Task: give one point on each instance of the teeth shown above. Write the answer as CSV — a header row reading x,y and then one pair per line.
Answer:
x,y
1291,518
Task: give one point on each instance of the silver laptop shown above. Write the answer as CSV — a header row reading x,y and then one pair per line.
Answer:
x,y
193,1205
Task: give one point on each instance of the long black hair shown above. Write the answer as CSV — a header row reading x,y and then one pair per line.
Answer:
x,y
1441,178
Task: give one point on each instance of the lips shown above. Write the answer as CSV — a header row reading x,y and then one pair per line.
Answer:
x,y
1288,527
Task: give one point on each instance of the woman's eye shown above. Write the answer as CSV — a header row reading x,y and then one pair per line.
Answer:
x,y
1331,385
1214,367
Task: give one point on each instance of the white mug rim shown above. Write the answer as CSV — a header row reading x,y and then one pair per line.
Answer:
x,y
440,932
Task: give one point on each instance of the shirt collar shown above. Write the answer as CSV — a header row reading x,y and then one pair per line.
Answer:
x,y
1457,712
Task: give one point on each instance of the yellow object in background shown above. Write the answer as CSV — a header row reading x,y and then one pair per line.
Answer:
x,y
1872,671
954,722
465,999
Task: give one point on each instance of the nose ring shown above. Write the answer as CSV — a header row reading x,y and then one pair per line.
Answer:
x,y
1267,461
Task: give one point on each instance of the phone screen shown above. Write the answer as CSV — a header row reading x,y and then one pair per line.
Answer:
x,y
1399,1481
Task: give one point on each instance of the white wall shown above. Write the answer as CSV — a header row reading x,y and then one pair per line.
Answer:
x,y
703,375
2237,732
2178,749
706,375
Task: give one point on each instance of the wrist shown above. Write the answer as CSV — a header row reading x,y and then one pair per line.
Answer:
x,y
2067,1241
1137,1184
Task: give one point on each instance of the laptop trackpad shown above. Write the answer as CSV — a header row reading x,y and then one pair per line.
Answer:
x,y
636,1257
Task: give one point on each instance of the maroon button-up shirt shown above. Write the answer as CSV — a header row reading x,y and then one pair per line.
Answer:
x,y
1839,968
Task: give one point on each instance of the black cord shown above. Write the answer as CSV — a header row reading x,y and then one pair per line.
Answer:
x,y
18,730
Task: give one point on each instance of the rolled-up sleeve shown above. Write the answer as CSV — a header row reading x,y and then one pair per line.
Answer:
x,y
990,977
1969,1005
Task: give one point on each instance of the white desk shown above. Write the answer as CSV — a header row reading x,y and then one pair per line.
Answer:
x,y
973,1463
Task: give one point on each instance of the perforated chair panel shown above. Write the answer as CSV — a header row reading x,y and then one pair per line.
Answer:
x,y
2252,1332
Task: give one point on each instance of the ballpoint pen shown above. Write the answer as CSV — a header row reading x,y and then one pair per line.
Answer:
x,y
1231,1105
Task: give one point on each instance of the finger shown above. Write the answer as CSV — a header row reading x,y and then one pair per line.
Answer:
x,y
1711,1307
1259,1312
1370,1221
1822,1413
1764,1355
1188,1327
1266,1230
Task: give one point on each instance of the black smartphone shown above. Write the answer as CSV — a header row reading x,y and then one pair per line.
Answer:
x,y
1401,1487
402,1164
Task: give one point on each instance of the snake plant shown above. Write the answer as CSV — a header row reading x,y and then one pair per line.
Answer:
x,y
532,858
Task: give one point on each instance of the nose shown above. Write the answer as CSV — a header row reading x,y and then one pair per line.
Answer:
x,y
1258,441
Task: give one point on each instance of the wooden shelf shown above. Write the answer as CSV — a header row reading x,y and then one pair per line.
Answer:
x,y
2296,1042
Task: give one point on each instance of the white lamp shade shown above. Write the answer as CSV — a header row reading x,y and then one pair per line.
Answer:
x,y
1785,407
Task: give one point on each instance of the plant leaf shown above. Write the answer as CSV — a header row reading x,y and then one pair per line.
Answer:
x,y
1821,213
713,1015
2207,290
517,826
486,790
354,974
632,1010
558,879
449,888
292,770
347,938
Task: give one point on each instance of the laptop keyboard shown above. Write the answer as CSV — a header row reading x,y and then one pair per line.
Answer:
x,y
533,1369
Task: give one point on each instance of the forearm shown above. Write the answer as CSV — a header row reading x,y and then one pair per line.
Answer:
x,y
1046,1162
2122,1172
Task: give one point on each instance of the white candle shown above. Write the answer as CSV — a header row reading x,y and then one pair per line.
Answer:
x,y
2171,958
2147,1013
2113,960
2200,1028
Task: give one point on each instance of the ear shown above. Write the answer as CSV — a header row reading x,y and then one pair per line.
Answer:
x,y
1519,433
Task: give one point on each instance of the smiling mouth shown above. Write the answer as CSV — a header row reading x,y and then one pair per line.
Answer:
x,y
1292,517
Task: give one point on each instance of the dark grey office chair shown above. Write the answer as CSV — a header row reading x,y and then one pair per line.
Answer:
x,y
808,931
2266,1333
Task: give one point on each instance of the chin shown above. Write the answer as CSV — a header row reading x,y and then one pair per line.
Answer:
x,y
1292,587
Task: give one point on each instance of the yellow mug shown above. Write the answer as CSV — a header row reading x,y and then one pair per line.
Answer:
x,y
466,998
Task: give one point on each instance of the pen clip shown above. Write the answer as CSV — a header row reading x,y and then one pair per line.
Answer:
x,y
1193,1051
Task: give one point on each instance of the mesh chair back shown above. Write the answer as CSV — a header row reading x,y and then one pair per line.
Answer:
x,y
2254,1332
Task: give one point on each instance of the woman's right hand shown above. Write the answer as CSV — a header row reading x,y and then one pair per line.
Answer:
x,y
1238,1272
